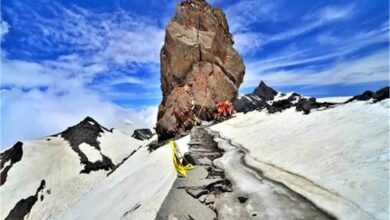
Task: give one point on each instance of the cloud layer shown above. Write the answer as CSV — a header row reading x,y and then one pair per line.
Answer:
x,y
86,55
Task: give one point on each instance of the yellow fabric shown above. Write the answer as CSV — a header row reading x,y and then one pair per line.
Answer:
x,y
180,168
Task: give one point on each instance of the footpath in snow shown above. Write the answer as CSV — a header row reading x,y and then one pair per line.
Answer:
x,y
223,187
336,158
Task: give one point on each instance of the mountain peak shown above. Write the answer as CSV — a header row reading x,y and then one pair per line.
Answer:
x,y
89,120
85,131
265,92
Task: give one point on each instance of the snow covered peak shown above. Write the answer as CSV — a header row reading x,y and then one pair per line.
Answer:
x,y
41,179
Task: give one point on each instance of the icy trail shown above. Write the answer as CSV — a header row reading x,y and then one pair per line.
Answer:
x,y
267,199
337,158
223,187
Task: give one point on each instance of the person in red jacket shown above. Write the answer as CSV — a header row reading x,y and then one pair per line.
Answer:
x,y
224,110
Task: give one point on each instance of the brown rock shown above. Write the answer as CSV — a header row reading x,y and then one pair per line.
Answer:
x,y
199,67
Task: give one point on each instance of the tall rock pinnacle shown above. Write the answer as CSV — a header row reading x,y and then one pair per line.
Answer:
x,y
199,67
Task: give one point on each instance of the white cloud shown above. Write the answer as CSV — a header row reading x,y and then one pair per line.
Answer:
x,y
330,13
4,28
33,114
45,97
247,43
145,117
371,68
316,19
341,46
92,42
39,100
245,13
294,32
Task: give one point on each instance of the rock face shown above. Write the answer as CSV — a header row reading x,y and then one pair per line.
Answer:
x,y
142,134
255,100
199,67
377,96
88,131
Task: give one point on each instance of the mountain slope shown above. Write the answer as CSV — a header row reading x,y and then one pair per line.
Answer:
x,y
135,190
331,163
337,158
41,179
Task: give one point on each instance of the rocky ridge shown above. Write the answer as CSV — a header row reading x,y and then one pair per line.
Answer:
x,y
377,96
265,97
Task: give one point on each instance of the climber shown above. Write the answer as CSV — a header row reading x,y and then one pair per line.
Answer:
x,y
224,110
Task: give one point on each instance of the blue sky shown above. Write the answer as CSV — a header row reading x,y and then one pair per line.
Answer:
x,y
63,60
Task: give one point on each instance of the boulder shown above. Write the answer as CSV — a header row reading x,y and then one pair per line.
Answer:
x,y
142,134
199,67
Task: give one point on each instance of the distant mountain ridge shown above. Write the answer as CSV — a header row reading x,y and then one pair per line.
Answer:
x,y
265,97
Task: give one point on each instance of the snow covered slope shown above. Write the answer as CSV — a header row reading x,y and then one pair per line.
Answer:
x,y
135,190
337,158
41,179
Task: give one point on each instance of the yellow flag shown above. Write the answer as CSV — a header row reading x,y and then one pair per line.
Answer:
x,y
180,168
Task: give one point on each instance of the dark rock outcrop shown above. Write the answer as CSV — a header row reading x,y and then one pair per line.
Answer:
x,y
88,131
306,105
255,100
199,67
142,134
377,96
24,206
264,92
263,97
10,156
242,199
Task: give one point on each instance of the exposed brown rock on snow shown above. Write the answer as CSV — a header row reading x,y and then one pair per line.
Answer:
x,y
199,67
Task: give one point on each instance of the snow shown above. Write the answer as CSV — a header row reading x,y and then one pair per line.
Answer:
x,y
246,97
92,153
336,99
6,164
117,145
265,198
281,96
135,190
337,158
54,161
